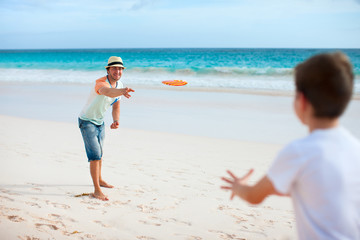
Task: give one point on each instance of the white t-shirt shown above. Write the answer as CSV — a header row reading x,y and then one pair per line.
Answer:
x,y
322,175
97,104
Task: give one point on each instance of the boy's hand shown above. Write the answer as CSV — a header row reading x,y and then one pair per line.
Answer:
x,y
115,125
236,183
126,92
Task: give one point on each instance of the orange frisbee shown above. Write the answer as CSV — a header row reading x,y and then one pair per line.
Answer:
x,y
175,82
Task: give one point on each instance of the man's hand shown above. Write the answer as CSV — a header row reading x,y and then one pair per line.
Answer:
x,y
115,125
237,184
126,92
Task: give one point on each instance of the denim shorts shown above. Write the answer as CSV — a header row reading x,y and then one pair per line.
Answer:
x,y
93,136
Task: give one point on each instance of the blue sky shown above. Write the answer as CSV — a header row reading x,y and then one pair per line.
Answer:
x,y
37,24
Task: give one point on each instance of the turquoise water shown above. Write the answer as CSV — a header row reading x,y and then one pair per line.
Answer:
x,y
218,68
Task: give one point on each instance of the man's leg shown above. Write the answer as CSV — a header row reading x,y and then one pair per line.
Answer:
x,y
93,136
101,181
95,168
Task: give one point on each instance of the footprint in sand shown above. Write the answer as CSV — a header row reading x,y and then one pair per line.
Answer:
x,y
55,216
47,226
102,224
91,202
15,218
179,221
194,238
6,198
29,238
223,207
4,210
33,204
238,218
226,236
58,218
173,220
189,237
145,238
8,192
58,205
147,209
115,203
150,223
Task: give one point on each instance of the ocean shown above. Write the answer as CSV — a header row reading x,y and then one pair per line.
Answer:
x,y
228,68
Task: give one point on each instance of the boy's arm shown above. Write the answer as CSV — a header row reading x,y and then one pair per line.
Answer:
x,y
115,115
253,194
115,92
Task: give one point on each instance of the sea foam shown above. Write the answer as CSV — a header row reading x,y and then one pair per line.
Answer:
x,y
219,78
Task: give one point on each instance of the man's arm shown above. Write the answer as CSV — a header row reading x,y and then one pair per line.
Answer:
x,y
253,194
115,92
115,115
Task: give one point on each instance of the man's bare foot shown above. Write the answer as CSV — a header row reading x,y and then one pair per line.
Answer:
x,y
105,184
99,195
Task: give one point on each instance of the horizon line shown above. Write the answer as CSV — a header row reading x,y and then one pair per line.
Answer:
x,y
111,48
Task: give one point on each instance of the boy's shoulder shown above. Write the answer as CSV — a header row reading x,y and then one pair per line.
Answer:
x,y
321,141
316,140
337,134
332,149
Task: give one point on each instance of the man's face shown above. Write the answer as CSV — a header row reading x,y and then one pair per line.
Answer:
x,y
115,73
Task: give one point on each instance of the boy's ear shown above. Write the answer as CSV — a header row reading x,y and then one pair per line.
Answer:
x,y
303,101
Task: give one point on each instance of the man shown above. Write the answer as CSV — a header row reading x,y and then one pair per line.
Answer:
x,y
106,93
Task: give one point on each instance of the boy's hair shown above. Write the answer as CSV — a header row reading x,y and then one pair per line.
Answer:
x,y
326,80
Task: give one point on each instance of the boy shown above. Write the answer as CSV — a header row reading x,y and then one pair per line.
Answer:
x,y
106,93
321,172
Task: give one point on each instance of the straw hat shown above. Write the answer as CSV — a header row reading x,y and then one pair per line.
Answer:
x,y
115,62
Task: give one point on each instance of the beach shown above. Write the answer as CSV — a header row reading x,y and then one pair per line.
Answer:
x,y
174,145
165,162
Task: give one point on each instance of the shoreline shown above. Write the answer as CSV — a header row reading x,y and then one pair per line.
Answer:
x,y
227,115
211,114
264,92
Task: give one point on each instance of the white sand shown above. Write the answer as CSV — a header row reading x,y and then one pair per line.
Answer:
x,y
167,184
